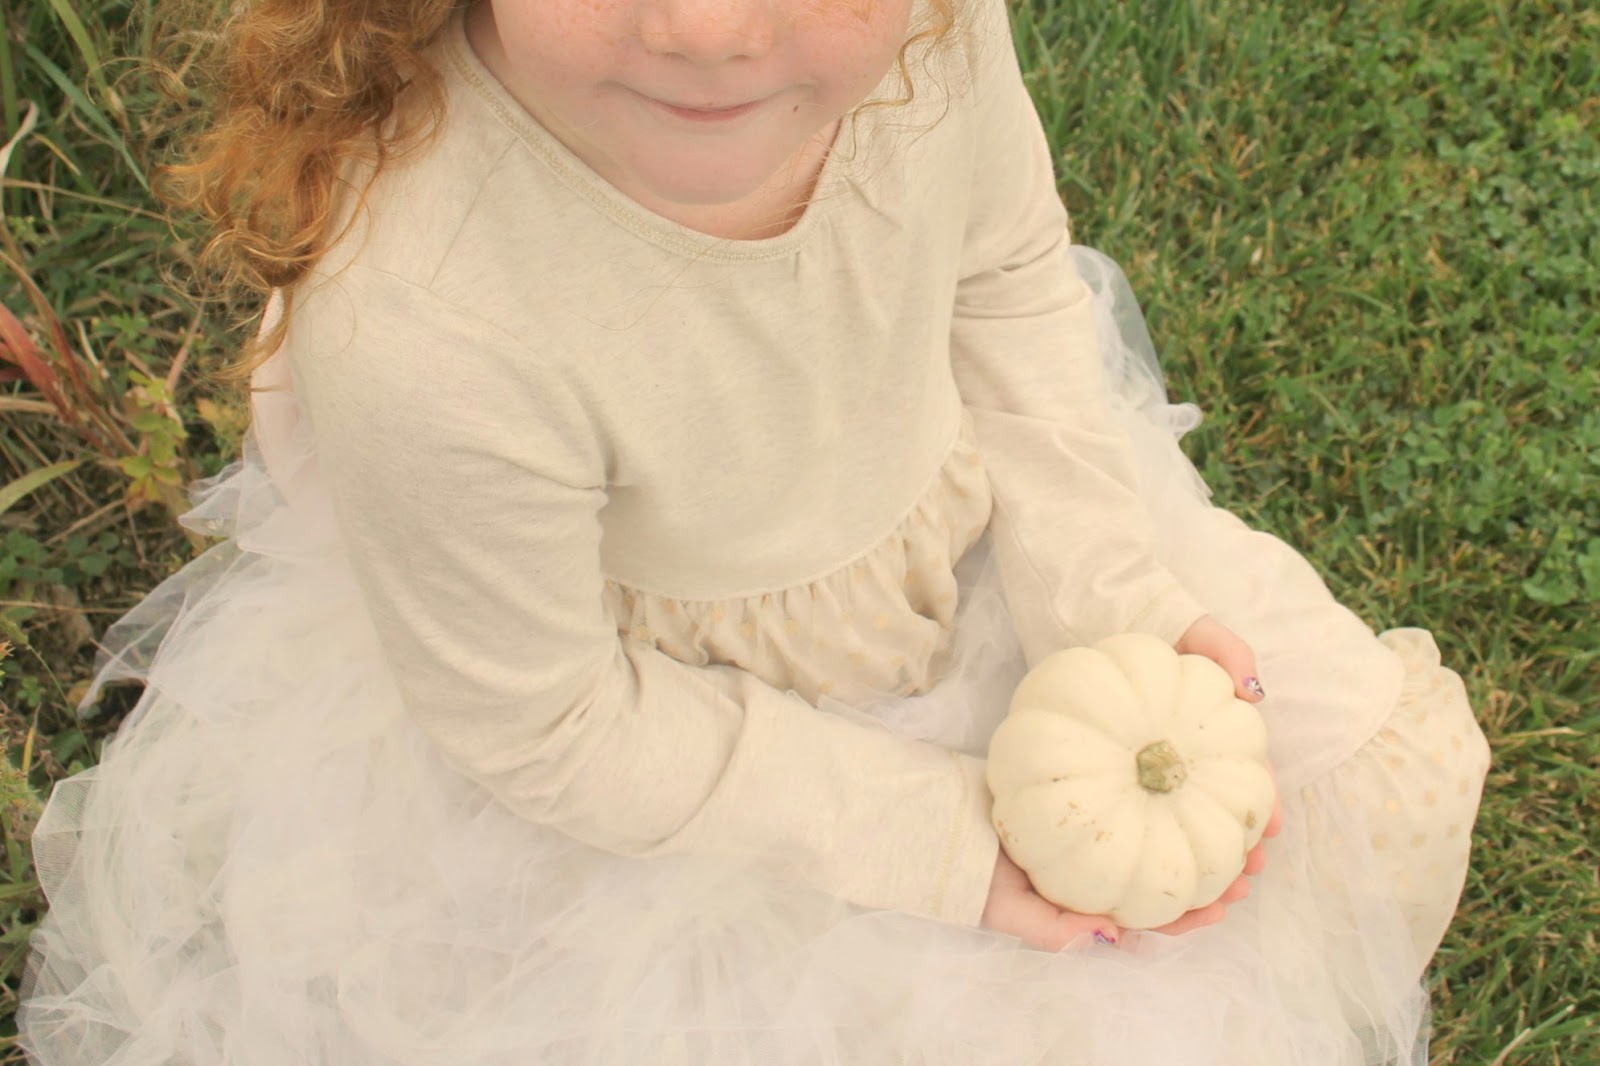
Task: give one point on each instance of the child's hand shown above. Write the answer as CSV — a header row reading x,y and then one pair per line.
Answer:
x,y
1253,864
1222,646
1015,908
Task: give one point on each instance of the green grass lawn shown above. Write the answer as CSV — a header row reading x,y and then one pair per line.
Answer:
x,y
1366,238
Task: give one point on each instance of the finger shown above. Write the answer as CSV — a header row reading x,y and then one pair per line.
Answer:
x,y
1048,927
1275,822
1236,657
1198,918
1071,926
1215,641
1236,891
1068,929
1247,677
1098,927
1086,930
1255,860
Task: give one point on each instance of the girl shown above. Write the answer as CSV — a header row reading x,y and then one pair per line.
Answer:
x,y
662,472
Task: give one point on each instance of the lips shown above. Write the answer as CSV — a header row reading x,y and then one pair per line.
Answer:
x,y
709,107
704,112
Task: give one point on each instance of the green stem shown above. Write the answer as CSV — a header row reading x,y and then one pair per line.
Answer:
x,y
1161,768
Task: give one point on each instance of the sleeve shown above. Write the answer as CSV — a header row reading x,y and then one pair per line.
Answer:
x,y
468,494
1073,541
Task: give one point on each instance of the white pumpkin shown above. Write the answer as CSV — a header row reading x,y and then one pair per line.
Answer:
x,y
1129,781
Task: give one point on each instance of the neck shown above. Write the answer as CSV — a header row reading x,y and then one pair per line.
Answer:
x,y
773,210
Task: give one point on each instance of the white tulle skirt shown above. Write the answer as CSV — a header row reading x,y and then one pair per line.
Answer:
x,y
271,865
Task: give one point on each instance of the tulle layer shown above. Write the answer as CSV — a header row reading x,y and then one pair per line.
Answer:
x,y
271,864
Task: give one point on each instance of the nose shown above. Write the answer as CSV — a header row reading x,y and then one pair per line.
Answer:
x,y
707,32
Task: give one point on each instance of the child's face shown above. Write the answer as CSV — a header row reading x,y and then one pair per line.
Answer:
x,y
591,72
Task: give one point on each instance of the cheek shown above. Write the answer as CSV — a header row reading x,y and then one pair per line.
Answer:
x,y
855,35
564,40
845,13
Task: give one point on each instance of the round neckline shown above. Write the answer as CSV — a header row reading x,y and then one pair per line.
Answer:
x,y
583,180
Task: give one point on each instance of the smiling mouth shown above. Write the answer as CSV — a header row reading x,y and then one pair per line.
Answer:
x,y
727,107
704,113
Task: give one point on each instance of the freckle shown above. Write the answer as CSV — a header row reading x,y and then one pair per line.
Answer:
x,y
825,688
1380,842
748,629
1462,788
1429,798
881,622
792,626
1393,806
1452,831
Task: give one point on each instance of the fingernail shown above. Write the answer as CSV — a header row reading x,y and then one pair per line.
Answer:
x,y
1253,686
1101,938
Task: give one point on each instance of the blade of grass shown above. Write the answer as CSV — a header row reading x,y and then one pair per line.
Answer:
x,y
125,211
90,112
80,36
29,120
14,492
8,76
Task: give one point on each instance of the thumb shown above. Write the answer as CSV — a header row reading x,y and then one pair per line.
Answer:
x,y
1215,641
1240,662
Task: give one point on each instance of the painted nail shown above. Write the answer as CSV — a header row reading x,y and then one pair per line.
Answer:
x,y
1253,686
1101,938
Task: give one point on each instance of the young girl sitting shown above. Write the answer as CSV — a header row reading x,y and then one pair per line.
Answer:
x,y
677,427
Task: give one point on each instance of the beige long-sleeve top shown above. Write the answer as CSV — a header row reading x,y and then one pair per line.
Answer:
x,y
624,498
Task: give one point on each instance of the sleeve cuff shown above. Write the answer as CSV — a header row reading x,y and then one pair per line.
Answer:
x,y
973,847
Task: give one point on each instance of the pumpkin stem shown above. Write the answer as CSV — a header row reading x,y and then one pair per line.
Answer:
x,y
1161,768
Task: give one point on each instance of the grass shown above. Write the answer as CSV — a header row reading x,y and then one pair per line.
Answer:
x,y
1365,236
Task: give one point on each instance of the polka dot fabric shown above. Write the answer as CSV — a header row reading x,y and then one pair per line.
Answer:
x,y
1418,783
